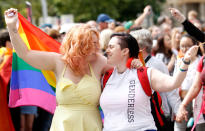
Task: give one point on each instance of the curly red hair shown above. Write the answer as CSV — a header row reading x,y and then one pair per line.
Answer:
x,y
77,45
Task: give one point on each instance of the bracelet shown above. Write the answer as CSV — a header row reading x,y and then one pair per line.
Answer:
x,y
183,70
186,62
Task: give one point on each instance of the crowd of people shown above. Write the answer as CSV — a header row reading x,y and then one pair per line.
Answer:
x,y
173,58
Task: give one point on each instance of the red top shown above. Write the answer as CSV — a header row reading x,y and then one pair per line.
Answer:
x,y
202,70
200,65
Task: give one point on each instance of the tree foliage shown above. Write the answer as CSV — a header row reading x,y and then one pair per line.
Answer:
x,y
84,10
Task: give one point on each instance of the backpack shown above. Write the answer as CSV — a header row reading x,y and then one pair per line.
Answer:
x,y
155,99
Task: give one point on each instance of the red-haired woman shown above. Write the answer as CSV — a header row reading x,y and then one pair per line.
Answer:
x,y
77,69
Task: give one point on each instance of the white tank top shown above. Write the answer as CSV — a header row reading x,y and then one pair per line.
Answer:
x,y
125,105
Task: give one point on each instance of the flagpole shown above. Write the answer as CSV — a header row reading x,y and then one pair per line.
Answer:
x,y
44,10
29,11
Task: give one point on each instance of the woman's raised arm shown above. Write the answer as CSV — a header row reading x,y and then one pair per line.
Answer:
x,y
163,83
188,26
37,59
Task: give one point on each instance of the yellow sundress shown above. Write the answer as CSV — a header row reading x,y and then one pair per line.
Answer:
x,y
77,108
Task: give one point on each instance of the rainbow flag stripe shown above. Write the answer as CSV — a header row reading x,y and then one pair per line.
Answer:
x,y
31,86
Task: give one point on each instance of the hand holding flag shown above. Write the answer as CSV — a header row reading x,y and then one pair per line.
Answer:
x,y
11,17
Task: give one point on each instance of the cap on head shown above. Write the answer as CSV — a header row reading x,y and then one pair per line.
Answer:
x,y
104,18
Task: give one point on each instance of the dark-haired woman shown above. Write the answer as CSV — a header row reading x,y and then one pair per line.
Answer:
x,y
164,51
121,111
187,42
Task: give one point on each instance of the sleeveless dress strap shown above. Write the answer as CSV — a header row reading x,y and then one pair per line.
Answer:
x,y
64,71
91,70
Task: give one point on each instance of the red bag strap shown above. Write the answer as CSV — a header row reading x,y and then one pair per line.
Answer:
x,y
144,81
106,77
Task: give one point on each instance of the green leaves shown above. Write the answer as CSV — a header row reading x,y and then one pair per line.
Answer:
x,y
84,10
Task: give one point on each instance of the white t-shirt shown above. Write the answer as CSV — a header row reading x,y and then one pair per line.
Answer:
x,y
125,105
163,58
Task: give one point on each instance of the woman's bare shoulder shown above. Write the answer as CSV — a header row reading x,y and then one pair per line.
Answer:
x,y
101,60
102,57
101,63
60,63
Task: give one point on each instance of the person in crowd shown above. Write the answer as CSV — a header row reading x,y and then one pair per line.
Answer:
x,y
164,20
164,51
27,113
120,29
166,28
186,42
156,32
138,22
165,23
103,20
188,26
130,25
92,23
27,116
121,111
192,16
112,25
55,35
104,39
196,89
10,118
176,34
170,100
175,40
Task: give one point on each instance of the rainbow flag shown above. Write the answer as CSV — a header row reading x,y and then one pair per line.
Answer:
x,y
31,86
